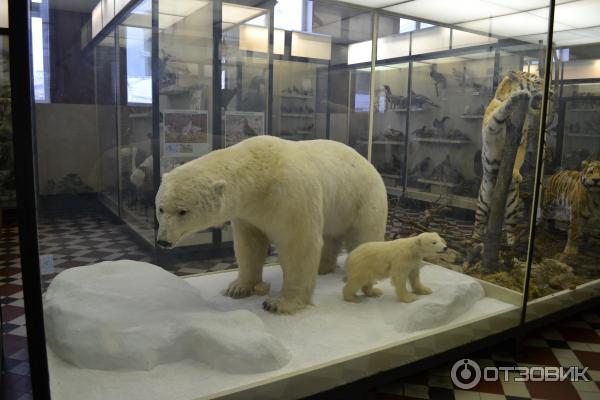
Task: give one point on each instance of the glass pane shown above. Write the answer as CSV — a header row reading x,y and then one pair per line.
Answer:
x,y
186,92
564,268
136,167
7,173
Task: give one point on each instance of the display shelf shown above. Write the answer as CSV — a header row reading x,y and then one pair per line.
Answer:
x,y
471,116
583,135
291,115
297,96
140,115
388,175
174,90
390,142
440,140
464,202
402,110
436,182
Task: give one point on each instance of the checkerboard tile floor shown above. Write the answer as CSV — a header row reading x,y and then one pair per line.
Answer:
x,y
88,238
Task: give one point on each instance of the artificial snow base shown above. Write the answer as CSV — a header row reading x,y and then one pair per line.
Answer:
x,y
134,315
319,335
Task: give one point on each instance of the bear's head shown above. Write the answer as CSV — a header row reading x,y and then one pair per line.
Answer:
x,y
187,202
431,244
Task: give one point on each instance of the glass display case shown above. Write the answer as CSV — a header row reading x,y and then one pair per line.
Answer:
x,y
7,180
467,123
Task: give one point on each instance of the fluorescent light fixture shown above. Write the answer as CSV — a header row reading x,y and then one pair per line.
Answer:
x,y
108,11
311,45
119,4
392,46
181,8
256,38
514,25
97,19
3,13
278,41
578,14
359,52
430,40
450,11
233,14
467,39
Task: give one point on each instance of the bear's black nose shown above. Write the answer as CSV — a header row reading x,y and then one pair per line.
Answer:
x,y
163,243
445,248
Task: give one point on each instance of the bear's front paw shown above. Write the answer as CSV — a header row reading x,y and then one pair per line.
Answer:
x,y
238,289
422,290
407,297
282,305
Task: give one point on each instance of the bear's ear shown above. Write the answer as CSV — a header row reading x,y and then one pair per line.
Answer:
x,y
164,175
419,241
219,187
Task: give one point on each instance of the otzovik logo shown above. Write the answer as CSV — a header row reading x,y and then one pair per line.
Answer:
x,y
465,374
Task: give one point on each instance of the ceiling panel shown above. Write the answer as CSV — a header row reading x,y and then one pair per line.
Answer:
x,y
514,25
451,11
579,14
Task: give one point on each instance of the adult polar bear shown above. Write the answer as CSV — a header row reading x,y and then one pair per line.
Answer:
x,y
309,198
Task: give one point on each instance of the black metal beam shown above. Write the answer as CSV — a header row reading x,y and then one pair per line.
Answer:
x,y
25,175
539,169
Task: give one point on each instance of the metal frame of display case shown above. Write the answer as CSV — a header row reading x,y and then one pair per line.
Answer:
x,y
24,144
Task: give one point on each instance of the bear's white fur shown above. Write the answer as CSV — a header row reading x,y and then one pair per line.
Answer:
x,y
399,259
309,198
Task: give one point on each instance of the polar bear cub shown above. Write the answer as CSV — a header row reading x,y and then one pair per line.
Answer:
x,y
399,259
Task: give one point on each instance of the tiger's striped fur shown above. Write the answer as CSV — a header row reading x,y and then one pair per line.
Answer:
x,y
514,87
580,192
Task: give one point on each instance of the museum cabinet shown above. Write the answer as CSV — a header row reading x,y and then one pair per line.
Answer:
x,y
122,92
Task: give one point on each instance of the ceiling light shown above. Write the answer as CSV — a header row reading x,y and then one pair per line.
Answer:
x,y
233,14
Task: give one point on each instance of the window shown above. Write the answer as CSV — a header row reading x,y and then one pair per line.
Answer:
x,y
139,69
40,50
407,25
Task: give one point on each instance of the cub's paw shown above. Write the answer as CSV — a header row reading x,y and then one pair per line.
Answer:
x,y
422,290
352,298
407,298
238,289
283,305
373,292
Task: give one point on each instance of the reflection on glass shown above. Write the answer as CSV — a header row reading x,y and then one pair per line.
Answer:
x,y
7,173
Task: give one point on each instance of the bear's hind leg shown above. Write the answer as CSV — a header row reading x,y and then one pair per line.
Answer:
x,y
371,291
299,259
329,253
415,282
251,247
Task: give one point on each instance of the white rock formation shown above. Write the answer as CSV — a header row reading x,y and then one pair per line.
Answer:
x,y
133,315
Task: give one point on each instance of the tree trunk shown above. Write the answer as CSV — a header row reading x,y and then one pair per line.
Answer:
x,y
492,239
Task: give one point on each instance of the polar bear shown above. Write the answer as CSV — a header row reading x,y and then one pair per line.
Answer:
x,y
309,198
400,259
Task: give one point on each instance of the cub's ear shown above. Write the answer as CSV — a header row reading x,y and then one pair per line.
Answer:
x,y
419,241
219,187
164,175
512,75
585,164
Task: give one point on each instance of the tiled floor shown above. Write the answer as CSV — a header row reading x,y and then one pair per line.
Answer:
x,y
89,237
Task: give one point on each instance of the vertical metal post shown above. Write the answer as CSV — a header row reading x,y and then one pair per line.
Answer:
x,y
117,97
155,115
216,91
25,175
539,171
269,112
407,122
374,31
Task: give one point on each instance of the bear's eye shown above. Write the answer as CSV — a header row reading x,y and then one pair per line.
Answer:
x,y
434,242
182,212
160,210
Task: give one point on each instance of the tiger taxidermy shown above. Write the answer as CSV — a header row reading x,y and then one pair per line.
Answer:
x,y
579,191
514,87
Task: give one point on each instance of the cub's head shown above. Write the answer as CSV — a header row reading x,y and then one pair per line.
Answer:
x,y
590,175
187,202
430,244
